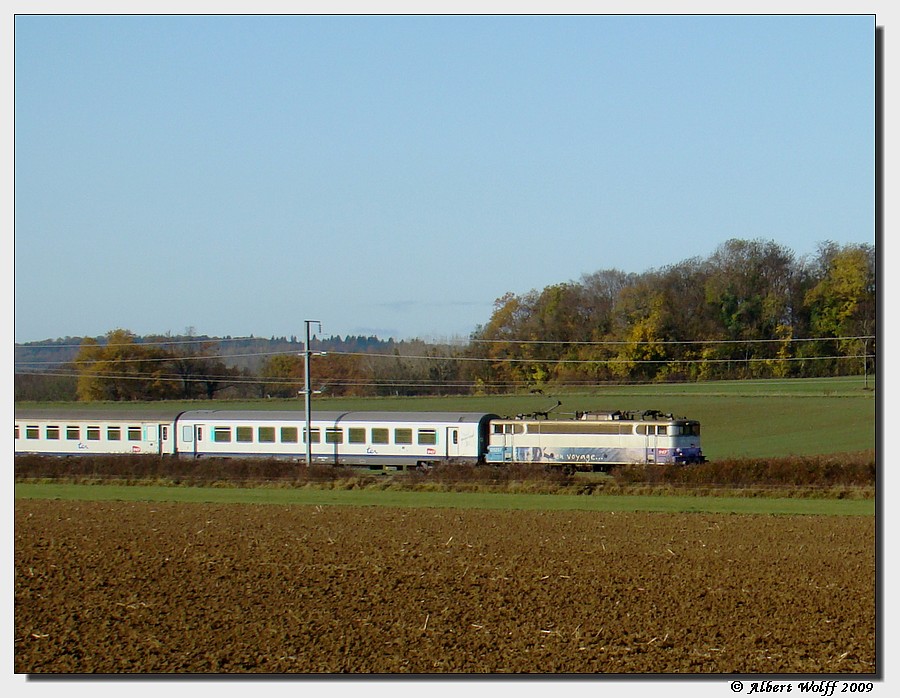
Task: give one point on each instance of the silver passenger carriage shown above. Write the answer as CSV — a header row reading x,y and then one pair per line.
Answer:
x,y
95,431
373,439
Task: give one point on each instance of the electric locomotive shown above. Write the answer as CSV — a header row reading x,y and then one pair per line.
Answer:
x,y
596,441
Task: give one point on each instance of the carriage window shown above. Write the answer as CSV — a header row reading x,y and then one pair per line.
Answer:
x,y
313,436
356,435
17,431
661,428
165,433
334,435
380,436
498,428
93,433
53,433
32,432
402,436
288,435
114,433
243,434
134,433
266,435
427,437
73,433
222,434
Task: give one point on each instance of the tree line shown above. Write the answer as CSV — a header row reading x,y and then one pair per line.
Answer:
x,y
752,309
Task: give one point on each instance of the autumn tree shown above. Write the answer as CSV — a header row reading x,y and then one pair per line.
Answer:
x,y
282,375
337,374
197,369
643,322
496,354
121,369
750,288
842,303
738,313
341,375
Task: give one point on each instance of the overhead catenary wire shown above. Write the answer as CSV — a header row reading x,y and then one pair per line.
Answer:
x,y
76,368
532,360
373,383
458,357
616,342
287,380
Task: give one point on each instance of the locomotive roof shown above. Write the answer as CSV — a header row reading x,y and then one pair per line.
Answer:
x,y
661,419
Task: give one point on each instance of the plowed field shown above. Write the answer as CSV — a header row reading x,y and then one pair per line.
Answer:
x,y
123,587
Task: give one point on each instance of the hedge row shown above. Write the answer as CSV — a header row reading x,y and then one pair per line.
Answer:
x,y
827,471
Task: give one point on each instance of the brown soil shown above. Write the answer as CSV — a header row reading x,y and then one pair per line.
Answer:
x,y
123,587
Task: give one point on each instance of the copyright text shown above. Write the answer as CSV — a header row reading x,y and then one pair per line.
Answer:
x,y
820,689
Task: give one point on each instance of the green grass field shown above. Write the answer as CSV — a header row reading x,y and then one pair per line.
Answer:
x,y
764,418
448,500
760,418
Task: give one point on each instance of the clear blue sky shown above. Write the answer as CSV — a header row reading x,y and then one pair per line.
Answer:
x,y
395,175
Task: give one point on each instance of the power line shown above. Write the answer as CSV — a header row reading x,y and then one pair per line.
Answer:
x,y
602,342
163,359
287,380
539,360
457,357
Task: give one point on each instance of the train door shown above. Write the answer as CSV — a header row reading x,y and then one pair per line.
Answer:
x,y
166,439
191,436
452,442
151,439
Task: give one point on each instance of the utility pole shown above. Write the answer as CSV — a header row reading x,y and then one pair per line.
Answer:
x,y
307,390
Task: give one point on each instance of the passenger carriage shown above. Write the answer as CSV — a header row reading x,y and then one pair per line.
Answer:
x,y
374,439
81,432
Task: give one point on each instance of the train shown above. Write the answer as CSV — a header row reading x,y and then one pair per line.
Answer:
x,y
589,441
